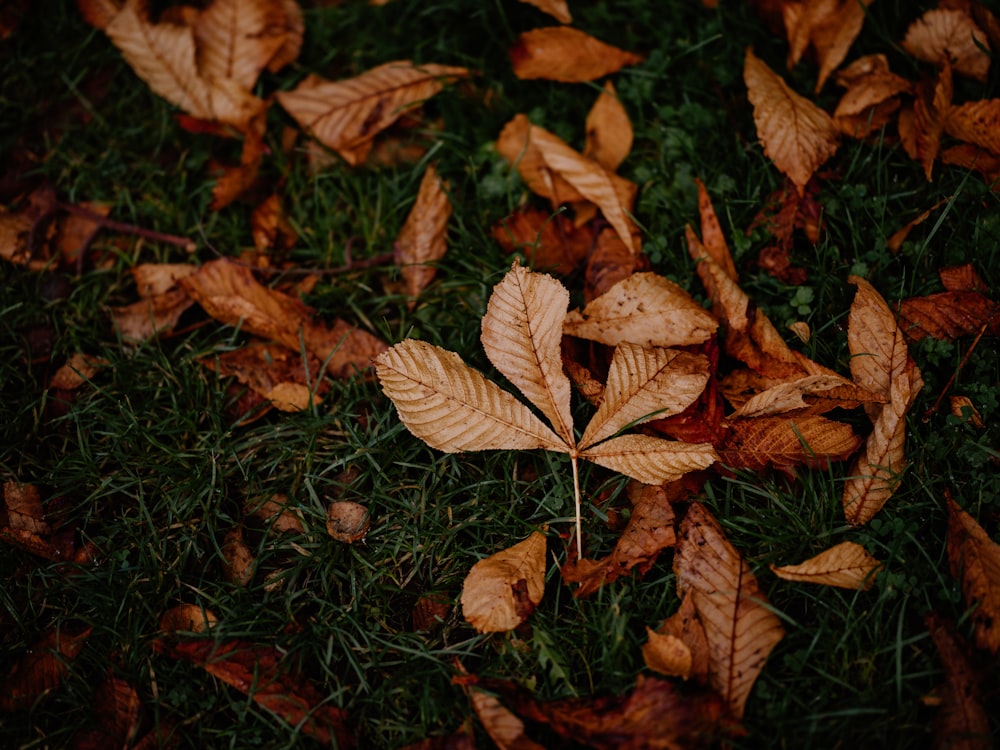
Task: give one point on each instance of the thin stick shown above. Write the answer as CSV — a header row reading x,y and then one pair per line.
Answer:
x,y
117,226
576,498
954,375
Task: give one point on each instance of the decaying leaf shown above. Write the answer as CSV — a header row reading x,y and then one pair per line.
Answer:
x,y
789,396
609,130
263,674
666,654
645,309
347,115
500,592
963,408
948,315
786,442
847,565
950,36
41,669
740,629
828,26
880,362
610,260
549,241
930,110
977,123
555,171
79,368
238,560
681,647
422,240
117,713
797,135
275,372
974,560
501,724
962,721
872,96
562,53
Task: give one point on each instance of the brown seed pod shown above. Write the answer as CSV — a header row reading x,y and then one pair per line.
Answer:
x,y
347,521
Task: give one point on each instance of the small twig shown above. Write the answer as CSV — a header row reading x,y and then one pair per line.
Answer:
x,y
954,376
117,226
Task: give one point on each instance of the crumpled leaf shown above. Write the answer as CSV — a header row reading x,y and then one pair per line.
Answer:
x,y
872,96
41,669
562,53
500,592
796,134
275,372
555,171
740,629
962,720
645,309
680,648
263,674
790,396
846,565
828,26
609,130
346,115
950,35
880,362
948,315
974,560
609,260
930,110
422,239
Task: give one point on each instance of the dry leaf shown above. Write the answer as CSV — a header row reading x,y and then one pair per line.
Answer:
x,y
974,560
666,654
948,316
274,372
846,565
347,115
740,629
972,157
686,630
829,27
895,242
261,674
962,408
558,9
117,710
784,443
270,227
872,96
930,110
501,724
713,241
502,591
880,362
238,566
797,135
963,278
41,669
549,242
977,123
609,130
23,508
789,396
164,55
187,617
962,721
610,260
422,239
644,309
280,515
79,368
555,171
561,53
950,36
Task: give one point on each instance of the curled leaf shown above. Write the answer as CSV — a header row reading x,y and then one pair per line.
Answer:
x,y
501,591
846,565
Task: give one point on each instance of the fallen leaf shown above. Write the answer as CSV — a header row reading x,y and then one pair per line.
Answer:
x,y
797,135
346,115
880,362
22,508
280,514
644,309
558,9
501,591
930,110
784,211
974,560
610,260
846,565
712,238
238,561
895,242
609,130
741,630
548,241
164,55
948,316
263,674
187,618
117,710
950,36
972,157
977,123
666,654
41,669
270,227
963,278
872,96
962,408
501,724
654,715
786,442
829,27
275,372
962,721
686,654
79,369
555,171
789,396
562,53
422,239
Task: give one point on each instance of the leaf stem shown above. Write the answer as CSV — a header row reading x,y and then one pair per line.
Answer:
x,y
576,499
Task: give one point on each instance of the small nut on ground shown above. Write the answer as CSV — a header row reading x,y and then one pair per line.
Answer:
x,y
347,521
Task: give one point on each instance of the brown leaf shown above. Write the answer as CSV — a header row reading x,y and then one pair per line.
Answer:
x,y
872,96
501,724
644,309
784,443
280,515
977,123
650,530
712,238
561,53
23,508
686,629
117,708
187,617
651,460
784,211
609,262
549,242
422,240
974,559
963,278
878,351
790,396
972,157
148,317
948,316
275,372
41,669
666,654
558,9
164,56
346,115
895,242
501,591
609,130
846,565
797,135
270,227
98,13
950,36
829,27
79,369
740,629
262,674
235,181
962,408
654,715
555,171
930,110
962,721
239,563
230,294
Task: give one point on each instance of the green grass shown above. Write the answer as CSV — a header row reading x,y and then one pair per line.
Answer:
x,y
149,465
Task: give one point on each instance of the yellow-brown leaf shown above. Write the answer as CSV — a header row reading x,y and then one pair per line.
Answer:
x,y
974,560
846,565
422,240
949,35
651,460
501,591
561,53
977,123
609,130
